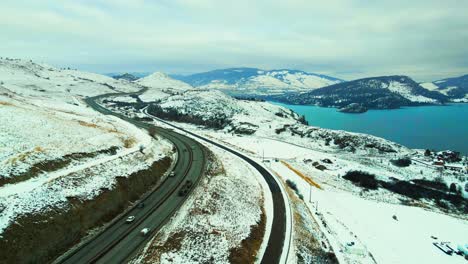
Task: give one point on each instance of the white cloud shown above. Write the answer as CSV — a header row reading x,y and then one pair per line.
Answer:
x,y
423,39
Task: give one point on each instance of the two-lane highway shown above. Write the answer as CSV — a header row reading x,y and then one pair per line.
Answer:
x,y
119,241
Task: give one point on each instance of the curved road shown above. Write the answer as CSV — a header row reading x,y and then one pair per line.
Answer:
x,y
274,249
119,241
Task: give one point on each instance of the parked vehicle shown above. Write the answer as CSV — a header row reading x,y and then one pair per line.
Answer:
x,y
130,219
141,205
144,231
171,174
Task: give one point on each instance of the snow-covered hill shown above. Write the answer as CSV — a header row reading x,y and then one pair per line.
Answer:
x,y
53,148
383,92
27,78
456,88
160,85
213,109
252,81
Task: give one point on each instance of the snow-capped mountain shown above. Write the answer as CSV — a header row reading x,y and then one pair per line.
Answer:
x,y
252,81
456,88
162,81
384,92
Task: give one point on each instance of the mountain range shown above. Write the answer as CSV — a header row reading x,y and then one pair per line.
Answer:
x,y
300,87
385,92
257,82
455,88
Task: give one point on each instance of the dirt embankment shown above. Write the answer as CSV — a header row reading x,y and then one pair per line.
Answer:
x,y
42,237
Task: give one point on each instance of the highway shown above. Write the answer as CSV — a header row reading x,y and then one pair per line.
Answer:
x,y
119,241
274,249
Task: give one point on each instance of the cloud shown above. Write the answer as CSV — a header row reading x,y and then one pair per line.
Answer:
x,y
349,39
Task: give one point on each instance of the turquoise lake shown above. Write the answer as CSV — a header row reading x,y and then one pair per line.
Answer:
x,y
433,127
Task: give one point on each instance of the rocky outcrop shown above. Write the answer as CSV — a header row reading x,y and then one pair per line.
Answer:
x,y
42,237
353,108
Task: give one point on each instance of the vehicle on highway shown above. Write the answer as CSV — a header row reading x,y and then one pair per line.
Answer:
x,y
172,174
144,231
130,219
141,205
183,191
185,188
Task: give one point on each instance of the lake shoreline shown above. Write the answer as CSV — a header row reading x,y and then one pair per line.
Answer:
x,y
370,109
418,127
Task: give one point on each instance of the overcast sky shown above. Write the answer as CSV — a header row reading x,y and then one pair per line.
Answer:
x,y
424,39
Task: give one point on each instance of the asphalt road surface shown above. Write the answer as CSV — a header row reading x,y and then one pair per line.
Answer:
x,y
118,242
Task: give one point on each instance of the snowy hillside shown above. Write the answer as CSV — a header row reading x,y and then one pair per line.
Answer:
x,y
384,92
216,110
317,159
251,81
27,78
56,151
209,223
456,88
51,152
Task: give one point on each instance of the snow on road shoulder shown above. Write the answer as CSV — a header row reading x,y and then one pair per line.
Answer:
x,y
222,213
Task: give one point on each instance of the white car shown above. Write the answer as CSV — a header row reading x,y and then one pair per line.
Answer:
x,y
130,219
144,231
171,174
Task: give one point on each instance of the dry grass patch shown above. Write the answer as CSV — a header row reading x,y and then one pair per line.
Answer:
x,y
128,142
174,242
86,124
6,103
21,157
248,250
302,175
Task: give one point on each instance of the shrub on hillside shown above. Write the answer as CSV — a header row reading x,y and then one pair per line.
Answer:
x,y
435,184
403,162
293,186
362,178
